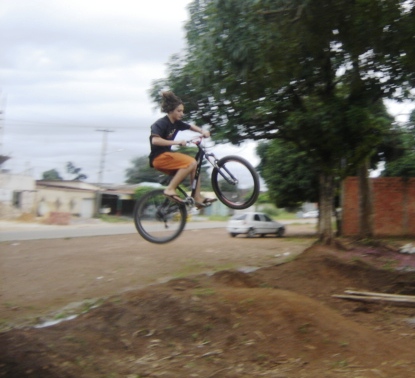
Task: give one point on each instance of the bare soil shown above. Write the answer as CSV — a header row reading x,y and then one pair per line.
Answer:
x,y
206,305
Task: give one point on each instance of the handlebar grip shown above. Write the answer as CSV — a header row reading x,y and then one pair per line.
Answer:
x,y
196,140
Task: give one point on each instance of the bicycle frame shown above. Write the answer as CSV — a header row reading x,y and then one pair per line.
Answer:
x,y
211,158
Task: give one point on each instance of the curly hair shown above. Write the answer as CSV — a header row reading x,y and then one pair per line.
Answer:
x,y
169,101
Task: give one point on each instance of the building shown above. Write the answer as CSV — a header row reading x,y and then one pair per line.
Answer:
x,y
17,195
74,197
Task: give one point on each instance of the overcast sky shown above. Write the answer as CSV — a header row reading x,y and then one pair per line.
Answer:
x,y
69,68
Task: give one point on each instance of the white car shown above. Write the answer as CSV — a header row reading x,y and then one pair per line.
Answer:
x,y
311,214
253,224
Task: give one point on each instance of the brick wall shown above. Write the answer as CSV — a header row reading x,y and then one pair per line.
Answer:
x,y
393,206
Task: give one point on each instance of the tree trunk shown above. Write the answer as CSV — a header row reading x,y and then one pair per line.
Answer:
x,y
365,202
326,196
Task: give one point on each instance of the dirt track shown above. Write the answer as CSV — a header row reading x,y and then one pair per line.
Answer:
x,y
280,321
40,277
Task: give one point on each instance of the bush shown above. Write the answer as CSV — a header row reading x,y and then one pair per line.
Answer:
x,y
271,211
139,192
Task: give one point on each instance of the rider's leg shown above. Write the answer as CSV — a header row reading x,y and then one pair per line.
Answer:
x,y
176,163
180,175
201,201
181,166
198,196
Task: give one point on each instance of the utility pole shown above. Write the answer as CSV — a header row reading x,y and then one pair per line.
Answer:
x,y
1,123
3,158
98,197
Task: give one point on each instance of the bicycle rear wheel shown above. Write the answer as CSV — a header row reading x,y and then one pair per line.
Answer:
x,y
235,182
159,219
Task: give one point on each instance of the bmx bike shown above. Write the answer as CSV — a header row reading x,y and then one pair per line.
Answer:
x,y
160,219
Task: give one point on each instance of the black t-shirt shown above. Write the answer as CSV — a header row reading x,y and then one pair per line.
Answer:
x,y
166,130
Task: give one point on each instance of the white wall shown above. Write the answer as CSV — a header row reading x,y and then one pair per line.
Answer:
x,y
17,195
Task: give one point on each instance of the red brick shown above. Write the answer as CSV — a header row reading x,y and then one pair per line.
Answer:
x,y
393,206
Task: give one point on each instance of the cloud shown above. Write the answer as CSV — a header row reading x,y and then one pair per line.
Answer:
x,y
70,34
70,67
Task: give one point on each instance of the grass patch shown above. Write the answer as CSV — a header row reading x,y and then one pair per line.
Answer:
x,y
228,266
390,265
219,218
282,214
192,267
203,292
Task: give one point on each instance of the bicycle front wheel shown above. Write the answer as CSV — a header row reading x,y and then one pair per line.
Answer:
x,y
159,219
235,182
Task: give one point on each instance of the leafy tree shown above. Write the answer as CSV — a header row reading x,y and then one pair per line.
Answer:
x,y
139,192
141,171
310,73
290,175
51,175
264,198
73,170
404,164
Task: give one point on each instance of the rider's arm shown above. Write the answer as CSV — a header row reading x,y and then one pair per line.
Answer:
x,y
205,133
159,141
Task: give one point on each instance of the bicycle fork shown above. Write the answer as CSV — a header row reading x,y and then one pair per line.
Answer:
x,y
230,178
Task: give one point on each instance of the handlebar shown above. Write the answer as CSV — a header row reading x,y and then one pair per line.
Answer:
x,y
196,140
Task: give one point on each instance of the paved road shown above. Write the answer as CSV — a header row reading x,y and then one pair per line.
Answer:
x,y
10,231
37,231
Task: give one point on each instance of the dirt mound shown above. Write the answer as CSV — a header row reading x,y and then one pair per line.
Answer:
x,y
280,321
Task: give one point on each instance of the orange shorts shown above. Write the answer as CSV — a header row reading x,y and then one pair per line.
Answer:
x,y
170,162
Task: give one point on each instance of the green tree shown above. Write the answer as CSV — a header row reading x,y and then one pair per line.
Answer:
x,y
404,163
307,72
290,176
264,198
140,171
139,192
73,170
51,175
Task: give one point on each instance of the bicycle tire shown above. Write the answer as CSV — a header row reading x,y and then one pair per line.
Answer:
x,y
235,182
159,219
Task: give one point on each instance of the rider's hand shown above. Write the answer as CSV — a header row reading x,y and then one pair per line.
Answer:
x,y
206,134
181,143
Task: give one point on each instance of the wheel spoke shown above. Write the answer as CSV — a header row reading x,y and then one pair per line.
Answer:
x,y
159,219
235,182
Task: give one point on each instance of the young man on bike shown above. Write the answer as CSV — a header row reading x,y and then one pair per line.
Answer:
x,y
163,132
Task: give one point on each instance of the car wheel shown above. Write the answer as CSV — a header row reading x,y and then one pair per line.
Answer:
x,y
233,234
251,233
280,233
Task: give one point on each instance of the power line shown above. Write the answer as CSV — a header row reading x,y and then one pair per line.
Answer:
x,y
27,123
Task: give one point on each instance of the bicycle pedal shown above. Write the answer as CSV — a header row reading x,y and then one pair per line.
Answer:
x,y
189,201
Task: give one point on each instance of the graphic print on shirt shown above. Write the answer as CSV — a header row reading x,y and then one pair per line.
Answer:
x,y
171,134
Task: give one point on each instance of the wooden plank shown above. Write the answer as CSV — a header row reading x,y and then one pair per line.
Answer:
x,y
369,293
377,299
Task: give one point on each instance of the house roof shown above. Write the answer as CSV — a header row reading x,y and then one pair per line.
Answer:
x,y
66,184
